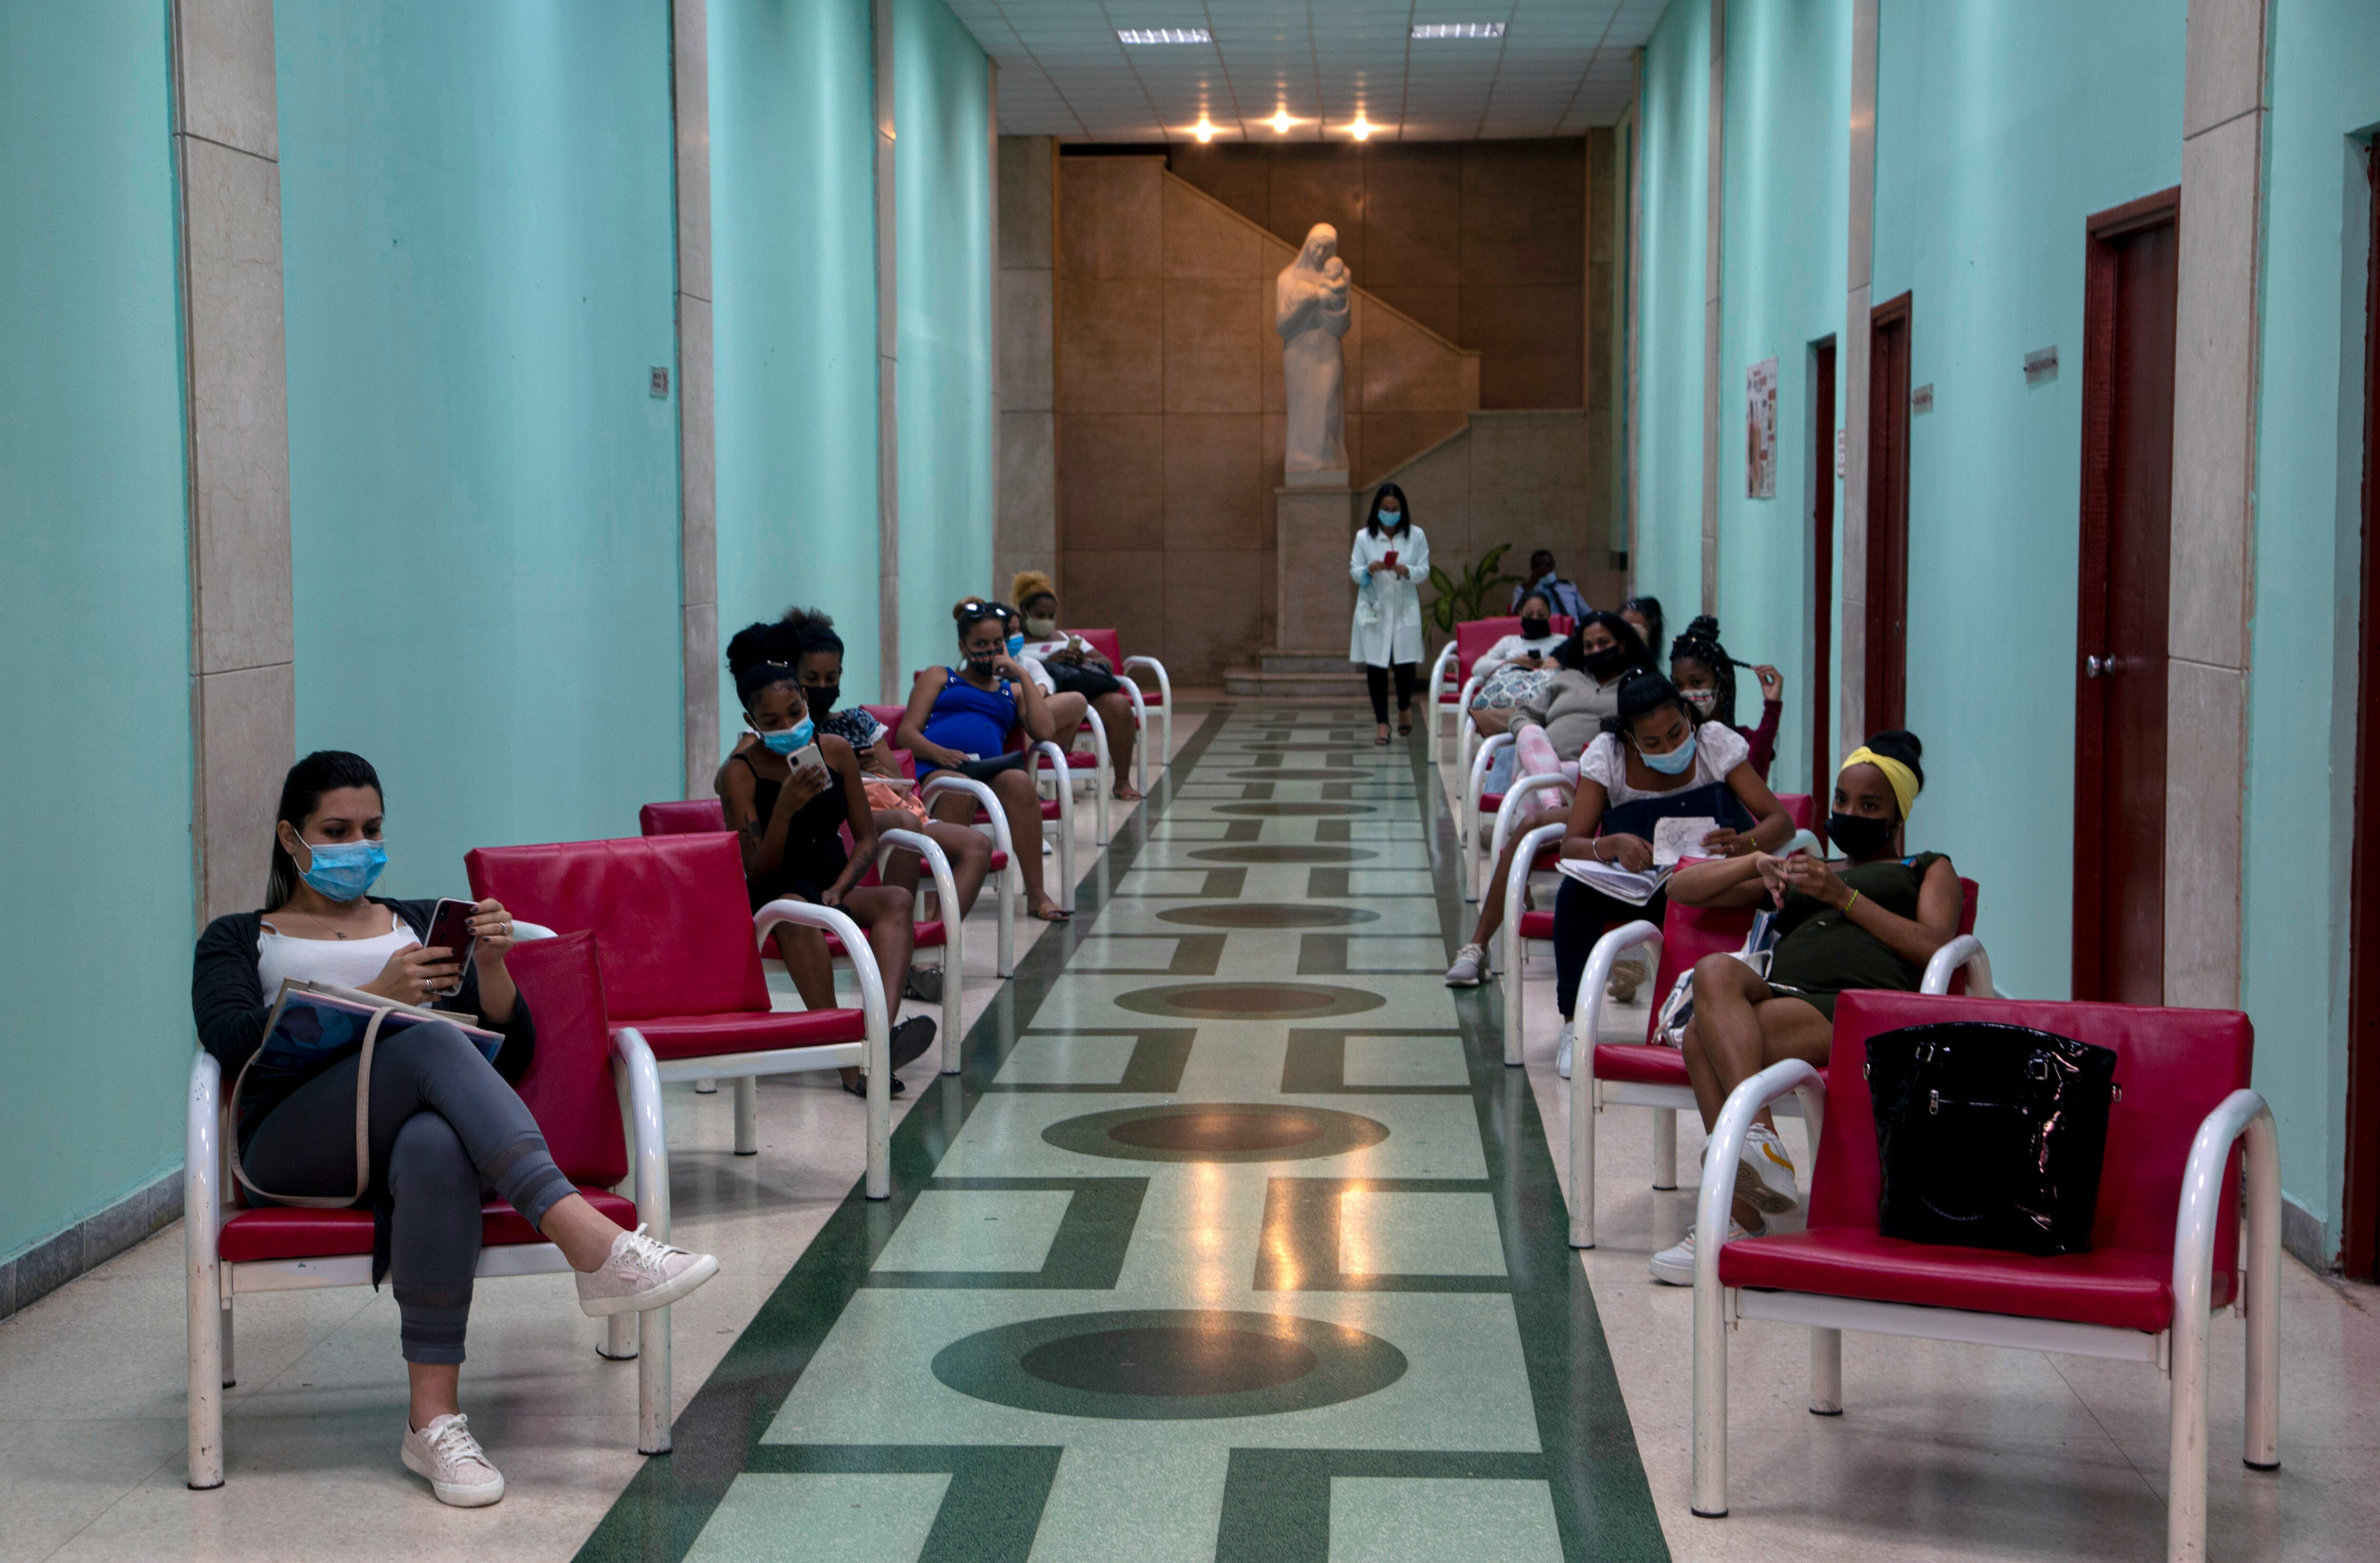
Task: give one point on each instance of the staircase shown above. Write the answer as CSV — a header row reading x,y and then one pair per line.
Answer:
x,y
1296,675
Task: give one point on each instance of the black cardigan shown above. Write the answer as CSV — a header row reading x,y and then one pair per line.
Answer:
x,y
228,1000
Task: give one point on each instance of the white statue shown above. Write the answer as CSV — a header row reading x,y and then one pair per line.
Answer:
x,y
1310,312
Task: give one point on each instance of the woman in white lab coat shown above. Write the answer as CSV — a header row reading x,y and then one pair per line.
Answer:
x,y
1390,557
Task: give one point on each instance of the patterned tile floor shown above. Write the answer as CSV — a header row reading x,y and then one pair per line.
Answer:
x,y
1235,1240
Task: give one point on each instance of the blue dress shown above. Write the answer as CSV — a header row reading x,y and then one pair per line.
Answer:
x,y
972,721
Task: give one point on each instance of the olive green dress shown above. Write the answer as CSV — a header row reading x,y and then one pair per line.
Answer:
x,y
1820,951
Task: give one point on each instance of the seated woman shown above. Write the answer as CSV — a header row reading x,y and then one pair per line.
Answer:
x,y
790,820
817,659
1870,920
959,719
1516,667
1653,765
446,1129
1075,669
1572,706
1704,674
1644,615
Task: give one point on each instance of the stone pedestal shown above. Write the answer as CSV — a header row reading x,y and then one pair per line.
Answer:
x,y
1313,529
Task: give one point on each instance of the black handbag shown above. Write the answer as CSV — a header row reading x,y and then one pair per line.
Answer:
x,y
1080,678
1989,1136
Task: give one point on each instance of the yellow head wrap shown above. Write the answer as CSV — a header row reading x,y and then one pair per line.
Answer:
x,y
1905,785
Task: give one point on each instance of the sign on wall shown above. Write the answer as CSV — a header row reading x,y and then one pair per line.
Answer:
x,y
1760,430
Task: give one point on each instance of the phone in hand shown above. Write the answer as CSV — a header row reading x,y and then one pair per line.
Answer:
x,y
450,928
1390,560
807,755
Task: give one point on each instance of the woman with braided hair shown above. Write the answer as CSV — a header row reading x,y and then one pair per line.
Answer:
x,y
1705,675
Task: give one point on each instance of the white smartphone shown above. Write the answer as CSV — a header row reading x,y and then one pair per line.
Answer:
x,y
807,755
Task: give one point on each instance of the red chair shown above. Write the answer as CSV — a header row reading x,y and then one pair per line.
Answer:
x,y
575,1087
706,817
1473,638
682,967
1058,812
1109,644
2164,1255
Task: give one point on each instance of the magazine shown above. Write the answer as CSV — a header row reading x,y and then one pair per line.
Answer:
x,y
1620,884
313,1022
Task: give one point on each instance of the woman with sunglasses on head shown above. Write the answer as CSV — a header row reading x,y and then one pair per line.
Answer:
x,y
959,719
790,820
446,1129
1872,918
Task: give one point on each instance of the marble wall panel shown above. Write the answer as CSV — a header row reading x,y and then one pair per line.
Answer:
x,y
1028,482
1318,183
1207,241
1402,369
1523,212
1439,309
1414,201
1530,338
1240,176
1110,346
1122,587
1216,493
1110,481
1393,438
1214,610
1023,358
245,719
226,93
1110,217
1438,488
2204,739
1025,203
1215,336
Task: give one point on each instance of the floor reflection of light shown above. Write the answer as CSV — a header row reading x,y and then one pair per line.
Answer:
x,y
1210,1274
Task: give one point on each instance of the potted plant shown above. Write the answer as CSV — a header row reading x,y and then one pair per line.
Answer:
x,y
1458,599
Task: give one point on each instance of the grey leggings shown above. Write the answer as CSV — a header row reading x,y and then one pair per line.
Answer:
x,y
446,1129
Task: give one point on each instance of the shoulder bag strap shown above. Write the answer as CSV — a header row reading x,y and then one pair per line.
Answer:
x,y
363,1131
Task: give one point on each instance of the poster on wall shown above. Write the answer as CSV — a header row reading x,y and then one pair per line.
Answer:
x,y
1760,430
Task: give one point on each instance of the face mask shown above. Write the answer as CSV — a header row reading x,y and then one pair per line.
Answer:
x,y
1392,519
979,663
343,870
1605,662
1041,630
1537,629
1674,763
821,697
1015,645
1859,835
786,740
1703,700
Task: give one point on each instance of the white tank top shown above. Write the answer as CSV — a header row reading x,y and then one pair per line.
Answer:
x,y
350,962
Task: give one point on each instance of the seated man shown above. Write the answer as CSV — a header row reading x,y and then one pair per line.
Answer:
x,y
1871,919
1544,577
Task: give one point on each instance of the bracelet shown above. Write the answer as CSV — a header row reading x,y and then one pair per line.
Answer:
x,y
1851,903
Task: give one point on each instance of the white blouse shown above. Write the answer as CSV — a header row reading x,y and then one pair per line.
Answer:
x,y
1511,648
1718,749
350,962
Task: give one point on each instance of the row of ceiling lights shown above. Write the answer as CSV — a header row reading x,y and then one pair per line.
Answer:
x,y
1282,121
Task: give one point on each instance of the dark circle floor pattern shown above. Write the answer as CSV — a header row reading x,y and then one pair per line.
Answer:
x,y
1294,810
1268,914
1284,854
1218,1131
1168,1365
1248,1000
1347,773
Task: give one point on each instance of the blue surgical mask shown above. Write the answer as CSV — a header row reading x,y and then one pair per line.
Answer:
x,y
1016,646
343,871
784,741
1676,762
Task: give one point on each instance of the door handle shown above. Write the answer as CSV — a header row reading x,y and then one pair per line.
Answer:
x,y
2098,667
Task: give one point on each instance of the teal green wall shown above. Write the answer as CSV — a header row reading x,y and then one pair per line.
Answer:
x,y
2303,696
479,247
793,277
1999,129
1666,558
94,616
942,192
1788,155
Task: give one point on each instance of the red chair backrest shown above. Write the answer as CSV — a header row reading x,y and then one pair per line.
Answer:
x,y
670,914
891,717
688,817
1800,808
2174,1066
1689,933
1474,637
568,1086
1107,643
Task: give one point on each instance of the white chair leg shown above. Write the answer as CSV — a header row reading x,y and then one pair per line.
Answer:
x,y
1709,1498
1664,1148
1826,1373
1006,893
747,1116
619,1342
706,1087
1582,1139
206,1385
230,1364
652,1380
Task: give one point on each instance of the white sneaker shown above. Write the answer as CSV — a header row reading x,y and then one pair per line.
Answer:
x,y
1562,1059
1764,1178
459,1469
1470,968
642,1273
1675,1266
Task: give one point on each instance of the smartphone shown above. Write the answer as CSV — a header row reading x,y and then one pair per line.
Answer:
x,y
1391,559
807,755
450,928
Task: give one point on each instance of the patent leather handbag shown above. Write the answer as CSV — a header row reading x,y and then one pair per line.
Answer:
x,y
1989,1136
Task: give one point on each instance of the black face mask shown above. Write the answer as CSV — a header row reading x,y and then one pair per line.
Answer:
x,y
1537,629
821,697
1859,835
1605,662
979,663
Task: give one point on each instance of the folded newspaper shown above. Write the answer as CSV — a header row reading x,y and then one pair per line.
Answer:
x,y
313,1021
1620,884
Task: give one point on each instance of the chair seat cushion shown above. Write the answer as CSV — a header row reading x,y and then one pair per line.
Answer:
x,y
2117,1287
1490,802
287,1232
999,861
1536,925
1639,1064
749,1031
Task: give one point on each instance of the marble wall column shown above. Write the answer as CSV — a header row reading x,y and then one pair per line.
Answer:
x,y
1850,554
2225,110
697,489
1025,529
1714,256
888,686
243,686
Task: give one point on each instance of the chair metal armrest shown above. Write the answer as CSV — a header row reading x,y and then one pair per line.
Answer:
x,y
1515,884
1056,758
877,1015
2243,1113
1964,950
1508,813
937,863
1470,687
201,1221
522,928
1587,1024
1100,777
952,781
1164,683
640,1085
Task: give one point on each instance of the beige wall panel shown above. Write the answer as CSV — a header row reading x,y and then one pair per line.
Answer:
x,y
698,624
1110,481
692,90
226,91
1523,213
1123,590
1393,437
1024,359
1207,241
1109,346
245,719
1214,610
1215,334
1404,371
1413,217
2225,77
2214,396
1439,488
1239,177
1216,495
1025,174
1438,308
2204,734
1110,217
698,479
1317,184
1529,339
1028,482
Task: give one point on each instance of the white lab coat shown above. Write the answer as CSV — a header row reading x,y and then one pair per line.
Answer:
x,y
1387,611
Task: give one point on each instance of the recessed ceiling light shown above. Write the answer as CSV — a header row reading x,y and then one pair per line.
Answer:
x,y
1164,35
1281,123
1458,30
1203,130
1361,130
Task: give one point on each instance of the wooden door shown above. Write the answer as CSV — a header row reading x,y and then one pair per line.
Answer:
x,y
1888,516
1822,577
2119,770
2360,1221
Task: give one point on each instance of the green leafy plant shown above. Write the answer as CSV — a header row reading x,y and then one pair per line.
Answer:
x,y
1459,600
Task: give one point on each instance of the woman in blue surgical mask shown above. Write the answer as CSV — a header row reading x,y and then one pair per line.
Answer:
x,y
788,796
443,1121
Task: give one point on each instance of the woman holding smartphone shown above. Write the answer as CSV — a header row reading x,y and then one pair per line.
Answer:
x,y
789,796
1391,554
446,1128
